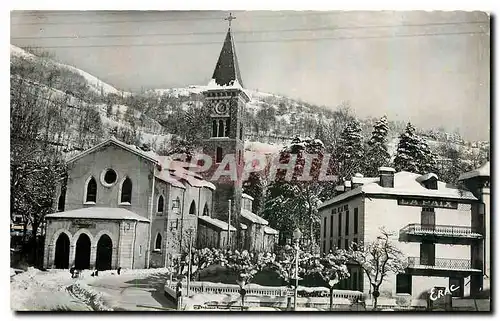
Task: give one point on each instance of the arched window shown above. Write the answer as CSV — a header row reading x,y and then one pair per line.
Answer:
x,y
218,156
192,208
158,242
221,128
214,128
239,157
126,196
91,191
241,132
205,210
228,124
160,204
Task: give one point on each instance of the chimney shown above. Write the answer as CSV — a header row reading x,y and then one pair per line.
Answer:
x,y
386,176
356,180
347,186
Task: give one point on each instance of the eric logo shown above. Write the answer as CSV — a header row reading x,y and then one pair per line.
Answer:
x,y
436,294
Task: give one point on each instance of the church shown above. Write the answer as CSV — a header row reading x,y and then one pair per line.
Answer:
x,y
124,206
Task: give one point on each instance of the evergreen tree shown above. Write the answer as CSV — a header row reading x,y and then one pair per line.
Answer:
x,y
254,186
291,203
350,150
376,152
413,153
321,134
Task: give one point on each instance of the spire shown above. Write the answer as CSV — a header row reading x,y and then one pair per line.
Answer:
x,y
227,70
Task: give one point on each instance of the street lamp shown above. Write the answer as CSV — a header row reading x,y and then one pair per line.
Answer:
x,y
296,236
190,231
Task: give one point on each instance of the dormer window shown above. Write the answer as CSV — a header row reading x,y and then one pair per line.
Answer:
x,y
429,181
431,184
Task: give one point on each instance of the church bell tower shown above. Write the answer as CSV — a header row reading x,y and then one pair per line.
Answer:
x,y
225,99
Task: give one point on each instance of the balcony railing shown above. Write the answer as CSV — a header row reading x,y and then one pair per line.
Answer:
x,y
440,230
440,263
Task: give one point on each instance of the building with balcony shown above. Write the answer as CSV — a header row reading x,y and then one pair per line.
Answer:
x,y
440,229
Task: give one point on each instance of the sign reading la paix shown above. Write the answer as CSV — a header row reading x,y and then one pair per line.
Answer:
x,y
427,203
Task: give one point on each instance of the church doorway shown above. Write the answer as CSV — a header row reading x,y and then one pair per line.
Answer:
x,y
61,260
104,253
82,254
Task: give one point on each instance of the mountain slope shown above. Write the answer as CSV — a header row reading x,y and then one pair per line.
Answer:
x,y
153,116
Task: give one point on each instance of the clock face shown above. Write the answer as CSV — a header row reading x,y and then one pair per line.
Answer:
x,y
221,108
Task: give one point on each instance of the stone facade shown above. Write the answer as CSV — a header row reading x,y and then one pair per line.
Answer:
x,y
358,214
134,242
167,203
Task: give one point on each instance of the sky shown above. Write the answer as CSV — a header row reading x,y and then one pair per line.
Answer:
x,y
430,68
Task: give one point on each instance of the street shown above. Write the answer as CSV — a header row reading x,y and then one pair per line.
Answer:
x,y
132,293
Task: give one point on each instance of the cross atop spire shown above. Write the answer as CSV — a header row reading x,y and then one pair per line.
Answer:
x,y
227,71
230,18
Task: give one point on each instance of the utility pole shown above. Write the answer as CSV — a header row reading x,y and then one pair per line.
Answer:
x,y
229,226
191,230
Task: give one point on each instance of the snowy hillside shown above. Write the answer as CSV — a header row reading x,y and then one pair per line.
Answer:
x,y
154,116
77,105
94,83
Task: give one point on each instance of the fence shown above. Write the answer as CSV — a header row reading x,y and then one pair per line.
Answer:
x,y
272,291
446,230
461,264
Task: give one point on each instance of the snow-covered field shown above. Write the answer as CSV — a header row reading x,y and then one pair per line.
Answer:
x,y
35,290
52,290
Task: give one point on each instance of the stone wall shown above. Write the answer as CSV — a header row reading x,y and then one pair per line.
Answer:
x,y
73,228
125,164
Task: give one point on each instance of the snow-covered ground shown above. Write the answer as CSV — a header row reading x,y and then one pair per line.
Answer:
x,y
51,290
94,83
35,290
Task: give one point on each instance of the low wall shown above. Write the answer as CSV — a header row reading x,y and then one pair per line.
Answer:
x,y
227,295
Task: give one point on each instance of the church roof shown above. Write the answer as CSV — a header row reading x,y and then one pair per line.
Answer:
x,y
227,71
270,230
172,172
483,171
148,155
253,217
216,223
108,213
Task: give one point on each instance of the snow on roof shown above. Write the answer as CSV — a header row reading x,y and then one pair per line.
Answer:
x,y
386,169
149,155
165,176
109,213
217,223
405,184
195,182
172,171
253,217
347,183
270,230
243,226
426,177
364,180
213,85
247,196
483,171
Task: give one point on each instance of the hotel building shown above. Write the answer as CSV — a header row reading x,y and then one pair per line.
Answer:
x,y
439,228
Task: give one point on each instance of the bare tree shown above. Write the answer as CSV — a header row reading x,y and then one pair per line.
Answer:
x,y
378,259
